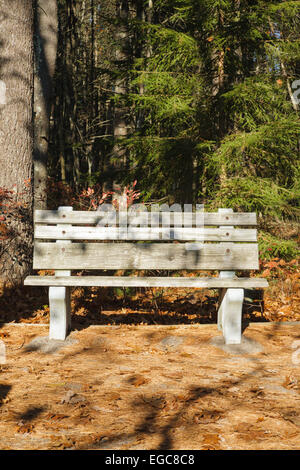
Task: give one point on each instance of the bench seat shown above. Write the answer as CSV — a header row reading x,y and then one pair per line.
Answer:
x,y
68,241
136,281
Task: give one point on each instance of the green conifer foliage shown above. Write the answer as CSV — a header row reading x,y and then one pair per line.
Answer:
x,y
208,101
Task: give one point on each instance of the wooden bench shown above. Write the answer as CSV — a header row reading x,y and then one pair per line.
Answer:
x,y
67,240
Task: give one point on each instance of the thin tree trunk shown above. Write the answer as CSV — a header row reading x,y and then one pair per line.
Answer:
x,y
284,72
120,124
289,87
217,85
16,134
46,30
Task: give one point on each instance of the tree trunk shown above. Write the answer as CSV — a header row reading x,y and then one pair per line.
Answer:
x,y
45,59
16,136
120,124
217,86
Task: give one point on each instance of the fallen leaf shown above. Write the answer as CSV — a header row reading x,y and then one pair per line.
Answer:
x,y
139,380
72,398
255,435
3,230
185,354
266,273
211,442
25,428
243,427
290,435
56,417
62,441
290,382
207,417
155,401
271,264
114,396
174,375
5,400
4,334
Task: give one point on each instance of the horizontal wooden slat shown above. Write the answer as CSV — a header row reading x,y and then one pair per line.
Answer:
x,y
95,217
144,256
143,233
114,281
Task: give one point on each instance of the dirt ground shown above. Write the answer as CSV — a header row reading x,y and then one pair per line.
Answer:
x,y
150,387
148,370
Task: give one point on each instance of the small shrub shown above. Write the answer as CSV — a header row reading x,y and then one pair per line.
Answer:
x,y
271,247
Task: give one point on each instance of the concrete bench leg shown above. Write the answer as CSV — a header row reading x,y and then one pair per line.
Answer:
x,y
60,316
230,315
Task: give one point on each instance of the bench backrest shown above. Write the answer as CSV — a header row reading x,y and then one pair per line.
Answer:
x,y
76,240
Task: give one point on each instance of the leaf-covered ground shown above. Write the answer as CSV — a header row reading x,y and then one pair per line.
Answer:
x,y
148,370
149,387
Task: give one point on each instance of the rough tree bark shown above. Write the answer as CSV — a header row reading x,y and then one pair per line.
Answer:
x,y
16,136
120,122
217,86
45,49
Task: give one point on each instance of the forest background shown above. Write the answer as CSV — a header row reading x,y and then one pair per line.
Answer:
x,y
191,98
182,101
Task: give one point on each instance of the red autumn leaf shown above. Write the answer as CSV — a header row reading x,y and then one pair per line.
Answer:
x,y
266,273
271,264
282,262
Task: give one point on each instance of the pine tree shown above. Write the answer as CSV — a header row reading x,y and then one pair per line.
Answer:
x,y
207,101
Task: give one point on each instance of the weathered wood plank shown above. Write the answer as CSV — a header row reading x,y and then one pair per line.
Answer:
x,y
144,256
143,233
225,273
97,217
121,281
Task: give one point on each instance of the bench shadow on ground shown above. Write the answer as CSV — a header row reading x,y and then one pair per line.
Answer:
x,y
189,307
102,306
4,390
21,303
